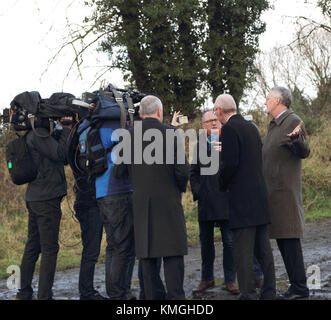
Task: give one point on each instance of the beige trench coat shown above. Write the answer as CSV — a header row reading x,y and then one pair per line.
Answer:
x,y
282,172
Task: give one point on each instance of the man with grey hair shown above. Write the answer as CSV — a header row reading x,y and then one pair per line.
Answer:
x,y
159,222
241,176
284,146
151,106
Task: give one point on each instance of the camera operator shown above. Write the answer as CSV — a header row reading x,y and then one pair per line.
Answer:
x,y
88,215
43,200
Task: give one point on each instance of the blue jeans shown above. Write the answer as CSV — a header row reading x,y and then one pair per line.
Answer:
x,y
117,216
208,250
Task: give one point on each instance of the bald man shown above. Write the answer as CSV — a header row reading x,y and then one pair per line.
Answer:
x,y
241,176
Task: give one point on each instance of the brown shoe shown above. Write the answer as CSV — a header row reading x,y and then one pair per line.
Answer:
x,y
231,287
204,285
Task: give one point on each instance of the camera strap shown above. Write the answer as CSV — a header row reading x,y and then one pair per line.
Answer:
x,y
130,110
32,119
119,100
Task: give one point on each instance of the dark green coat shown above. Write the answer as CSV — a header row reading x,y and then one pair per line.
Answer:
x,y
282,173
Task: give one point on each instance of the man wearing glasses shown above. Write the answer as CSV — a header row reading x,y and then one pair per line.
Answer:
x,y
212,211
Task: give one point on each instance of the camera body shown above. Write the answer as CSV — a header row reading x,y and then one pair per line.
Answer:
x,y
19,119
28,110
29,107
16,116
128,94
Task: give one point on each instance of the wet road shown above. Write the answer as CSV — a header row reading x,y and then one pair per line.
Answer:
x,y
317,255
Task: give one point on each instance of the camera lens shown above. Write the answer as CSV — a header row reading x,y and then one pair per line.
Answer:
x,y
21,118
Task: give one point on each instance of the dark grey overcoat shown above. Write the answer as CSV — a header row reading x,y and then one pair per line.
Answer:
x,y
282,172
159,222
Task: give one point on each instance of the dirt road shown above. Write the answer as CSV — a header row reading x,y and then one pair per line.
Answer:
x,y
317,255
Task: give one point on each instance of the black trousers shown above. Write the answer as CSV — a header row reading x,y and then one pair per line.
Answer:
x,y
247,242
43,234
160,292
91,233
173,275
291,252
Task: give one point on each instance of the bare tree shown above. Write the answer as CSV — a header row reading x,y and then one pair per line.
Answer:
x,y
305,68
325,7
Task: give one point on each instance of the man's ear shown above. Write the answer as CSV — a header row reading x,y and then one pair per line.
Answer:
x,y
140,115
159,114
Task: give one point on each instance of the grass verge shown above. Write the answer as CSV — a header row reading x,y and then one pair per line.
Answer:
x,y
15,233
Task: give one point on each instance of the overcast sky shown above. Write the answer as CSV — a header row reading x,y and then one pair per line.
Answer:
x,y
31,32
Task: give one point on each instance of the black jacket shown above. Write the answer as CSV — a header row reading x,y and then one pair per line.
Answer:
x,y
241,173
50,156
212,203
159,222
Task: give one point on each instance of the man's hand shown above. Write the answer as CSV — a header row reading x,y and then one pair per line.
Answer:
x,y
175,117
297,130
217,146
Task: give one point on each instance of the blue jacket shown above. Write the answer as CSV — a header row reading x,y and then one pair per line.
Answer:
x,y
107,184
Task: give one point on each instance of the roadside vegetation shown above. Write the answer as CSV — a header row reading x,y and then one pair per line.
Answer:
x,y
14,217
222,63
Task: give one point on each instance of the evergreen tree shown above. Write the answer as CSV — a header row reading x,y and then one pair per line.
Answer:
x,y
156,45
234,29
173,48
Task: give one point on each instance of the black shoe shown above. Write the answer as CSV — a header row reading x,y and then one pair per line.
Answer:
x,y
95,296
288,295
268,296
24,295
130,296
22,298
